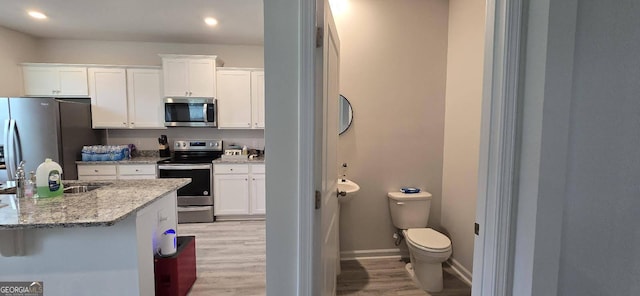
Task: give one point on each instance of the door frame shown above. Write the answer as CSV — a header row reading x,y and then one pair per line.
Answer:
x,y
499,151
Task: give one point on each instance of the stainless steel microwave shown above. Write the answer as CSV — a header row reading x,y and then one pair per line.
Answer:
x,y
197,112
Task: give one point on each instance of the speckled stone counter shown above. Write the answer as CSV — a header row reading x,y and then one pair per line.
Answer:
x,y
135,160
104,206
247,160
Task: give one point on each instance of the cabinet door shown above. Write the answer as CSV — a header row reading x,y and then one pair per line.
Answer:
x,y
234,99
40,81
176,77
108,91
145,100
73,81
258,194
231,194
257,99
201,78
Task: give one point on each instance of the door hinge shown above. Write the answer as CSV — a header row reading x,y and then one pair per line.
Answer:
x,y
317,199
476,228
319,37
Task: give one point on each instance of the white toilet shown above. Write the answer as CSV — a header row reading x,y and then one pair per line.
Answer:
x,y
428,248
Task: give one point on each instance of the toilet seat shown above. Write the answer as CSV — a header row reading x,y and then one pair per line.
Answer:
x,y
428,240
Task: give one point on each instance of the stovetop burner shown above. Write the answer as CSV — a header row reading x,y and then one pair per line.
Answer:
x,y
194,151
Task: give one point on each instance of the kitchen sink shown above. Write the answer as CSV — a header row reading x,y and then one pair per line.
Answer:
x,y
80,188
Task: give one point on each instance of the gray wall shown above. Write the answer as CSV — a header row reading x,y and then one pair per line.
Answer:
x,y
143,53
465,59
601,241
393,70
15,48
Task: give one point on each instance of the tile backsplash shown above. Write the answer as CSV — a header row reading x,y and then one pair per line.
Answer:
x,y
148,139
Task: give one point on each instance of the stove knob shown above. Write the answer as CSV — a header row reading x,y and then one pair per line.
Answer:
x,y
177,144
184,144
205,192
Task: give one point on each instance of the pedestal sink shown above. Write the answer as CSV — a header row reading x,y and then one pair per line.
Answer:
x,y
349,188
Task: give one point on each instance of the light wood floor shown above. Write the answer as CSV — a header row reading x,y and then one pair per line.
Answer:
x,y
374,277
231,262
230,258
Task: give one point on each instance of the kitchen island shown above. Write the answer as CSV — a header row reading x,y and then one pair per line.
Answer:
x,y
100,242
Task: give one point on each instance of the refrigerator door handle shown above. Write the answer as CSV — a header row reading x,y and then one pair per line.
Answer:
x,y
9,149
14,153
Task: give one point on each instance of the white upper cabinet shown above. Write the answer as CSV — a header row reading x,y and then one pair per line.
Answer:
x,y
234,99
108,91
190,76
125,98
54,81
145,100
240,98
257,99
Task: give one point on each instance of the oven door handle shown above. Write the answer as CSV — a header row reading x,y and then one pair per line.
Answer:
x,y
184,167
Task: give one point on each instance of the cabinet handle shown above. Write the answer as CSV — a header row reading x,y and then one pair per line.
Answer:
x,y
137,170
231,170
246,179
190,93
124,123
95,171
254,179
186,93
131,123
53,91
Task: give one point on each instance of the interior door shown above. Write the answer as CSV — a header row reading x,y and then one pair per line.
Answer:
x,y
326,234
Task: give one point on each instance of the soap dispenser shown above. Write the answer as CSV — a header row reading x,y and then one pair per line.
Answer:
x,y
49,179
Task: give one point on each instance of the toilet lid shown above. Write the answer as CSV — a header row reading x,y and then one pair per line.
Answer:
x,y
428,238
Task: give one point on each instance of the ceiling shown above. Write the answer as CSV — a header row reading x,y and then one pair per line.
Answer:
x,y
180,21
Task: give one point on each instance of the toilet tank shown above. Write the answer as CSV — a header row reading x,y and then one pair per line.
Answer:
x,y
409,210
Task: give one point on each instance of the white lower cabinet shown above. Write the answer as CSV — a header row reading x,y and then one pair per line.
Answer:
x,y
92,172
239,191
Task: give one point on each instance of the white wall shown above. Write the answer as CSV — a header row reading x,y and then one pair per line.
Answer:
x,y
600,234
393,71
15,48
143,53
462,125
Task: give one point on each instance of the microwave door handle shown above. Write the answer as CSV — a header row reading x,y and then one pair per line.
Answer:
x,y
204,112
215,113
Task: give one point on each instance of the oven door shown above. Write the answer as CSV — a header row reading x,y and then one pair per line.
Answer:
x,y
190,112
197,193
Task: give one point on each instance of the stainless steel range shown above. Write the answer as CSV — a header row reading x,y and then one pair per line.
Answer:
x,y
192,159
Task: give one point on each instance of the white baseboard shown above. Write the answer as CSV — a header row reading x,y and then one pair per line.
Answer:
x,y
372,254
464,274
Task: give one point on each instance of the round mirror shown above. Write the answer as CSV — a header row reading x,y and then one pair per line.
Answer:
x,y
346,115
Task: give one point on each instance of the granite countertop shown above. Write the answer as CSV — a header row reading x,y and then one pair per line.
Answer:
x,y
244,160
105,206
135,160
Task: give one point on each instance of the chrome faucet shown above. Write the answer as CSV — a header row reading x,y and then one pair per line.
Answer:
x,y
21,180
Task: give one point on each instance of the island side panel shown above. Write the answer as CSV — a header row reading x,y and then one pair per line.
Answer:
x,y
79,260
151,223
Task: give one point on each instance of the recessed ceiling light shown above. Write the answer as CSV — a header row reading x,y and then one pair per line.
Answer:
x,y
211,21
37,15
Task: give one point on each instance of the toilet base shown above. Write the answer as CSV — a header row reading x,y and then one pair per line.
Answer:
x,y
432,278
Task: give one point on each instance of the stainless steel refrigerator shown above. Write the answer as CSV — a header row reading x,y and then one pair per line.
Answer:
x,y
39,128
